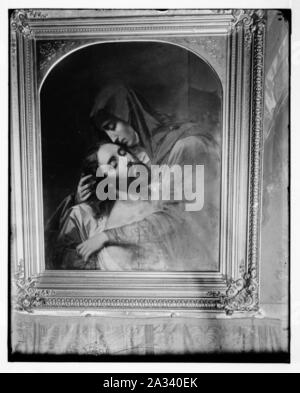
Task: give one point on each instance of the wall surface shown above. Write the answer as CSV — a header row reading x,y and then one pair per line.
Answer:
x,y
275,224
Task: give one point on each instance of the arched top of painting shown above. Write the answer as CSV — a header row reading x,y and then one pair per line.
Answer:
x,y
202,53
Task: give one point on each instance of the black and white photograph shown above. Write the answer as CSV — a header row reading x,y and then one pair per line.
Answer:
x,y
149,177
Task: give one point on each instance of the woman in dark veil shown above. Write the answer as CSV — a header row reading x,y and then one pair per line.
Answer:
x,y
123,115
157,133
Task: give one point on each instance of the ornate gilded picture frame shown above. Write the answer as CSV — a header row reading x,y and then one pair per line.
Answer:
x,y
231,42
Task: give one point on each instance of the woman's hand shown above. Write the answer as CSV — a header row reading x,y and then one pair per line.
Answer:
x,y
92,245
84,189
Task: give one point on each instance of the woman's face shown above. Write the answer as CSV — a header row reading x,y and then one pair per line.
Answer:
x,y
120,132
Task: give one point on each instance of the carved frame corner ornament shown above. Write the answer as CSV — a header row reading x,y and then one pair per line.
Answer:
x,y
243,33
242,295
248,20
20,21
26,296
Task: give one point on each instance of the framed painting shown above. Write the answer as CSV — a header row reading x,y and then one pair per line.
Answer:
x,y
176,96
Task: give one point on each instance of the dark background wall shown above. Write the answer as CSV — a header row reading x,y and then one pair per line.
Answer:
x,y
172,80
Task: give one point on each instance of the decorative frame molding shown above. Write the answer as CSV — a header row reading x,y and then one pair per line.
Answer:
x,y
232,42
27,296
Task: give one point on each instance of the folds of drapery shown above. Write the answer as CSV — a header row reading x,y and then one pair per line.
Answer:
x,y
161,241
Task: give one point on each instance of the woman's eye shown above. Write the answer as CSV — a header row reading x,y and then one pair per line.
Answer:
x,y
112,125
109,126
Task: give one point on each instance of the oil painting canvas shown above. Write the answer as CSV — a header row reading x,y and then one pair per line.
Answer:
x,y
158,106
